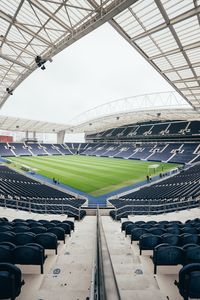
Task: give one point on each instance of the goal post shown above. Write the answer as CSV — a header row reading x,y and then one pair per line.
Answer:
x,y
153,167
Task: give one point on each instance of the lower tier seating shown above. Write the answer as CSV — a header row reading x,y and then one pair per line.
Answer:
x,y
178,192
169,249
181,152
21,192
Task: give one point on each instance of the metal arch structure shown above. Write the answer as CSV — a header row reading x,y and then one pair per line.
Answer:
x,y
167,34
30,28
141,108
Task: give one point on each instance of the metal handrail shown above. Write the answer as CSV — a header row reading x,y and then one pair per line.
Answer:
x,y
30,203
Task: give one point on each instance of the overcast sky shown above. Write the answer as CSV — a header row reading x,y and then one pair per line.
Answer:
x,y
99,68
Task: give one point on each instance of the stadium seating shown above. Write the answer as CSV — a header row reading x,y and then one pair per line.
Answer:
x,y
168,249
189,278
10,281
172,194
5,150
22,192
185,152
31,254
167,255
167,128
20,149
36,149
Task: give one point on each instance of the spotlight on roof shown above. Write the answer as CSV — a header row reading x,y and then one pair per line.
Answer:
x,y
9,91
40,62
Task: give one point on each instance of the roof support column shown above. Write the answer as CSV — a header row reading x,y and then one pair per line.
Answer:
x,y
60,137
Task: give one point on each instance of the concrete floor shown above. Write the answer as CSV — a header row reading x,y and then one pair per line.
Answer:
x,y
134,273
68,275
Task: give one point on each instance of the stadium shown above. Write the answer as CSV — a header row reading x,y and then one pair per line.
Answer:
x,y
116,216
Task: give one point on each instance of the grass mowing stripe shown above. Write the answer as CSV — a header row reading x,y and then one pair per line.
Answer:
x,y
95,175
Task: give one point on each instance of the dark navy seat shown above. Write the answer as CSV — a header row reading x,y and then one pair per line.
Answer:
x,y
47,240
7,236
24,238
136,233
188,238
192,254
70,223
20,229
59,232
29,255
5,254
124,224
148,241
189,279
166,255
10,281
39,229
129,228
171,239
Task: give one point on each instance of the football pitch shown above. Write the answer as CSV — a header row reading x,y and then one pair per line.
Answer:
x,y
93,175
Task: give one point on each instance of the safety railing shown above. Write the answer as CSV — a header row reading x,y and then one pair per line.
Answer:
x,y
44,206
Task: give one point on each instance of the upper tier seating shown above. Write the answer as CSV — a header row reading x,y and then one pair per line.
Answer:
x,y
169,152
168,128
187,153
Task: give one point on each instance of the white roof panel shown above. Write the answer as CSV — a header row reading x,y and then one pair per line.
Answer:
x,y
169,40
30,28
165,32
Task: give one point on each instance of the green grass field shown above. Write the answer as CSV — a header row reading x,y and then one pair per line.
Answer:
x,y
93,175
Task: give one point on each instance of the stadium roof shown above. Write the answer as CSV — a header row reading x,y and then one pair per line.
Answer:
x,y
23,125
141,108
165,32
30,28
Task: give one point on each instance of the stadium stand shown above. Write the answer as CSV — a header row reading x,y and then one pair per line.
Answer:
x,y
36,149
20,149
21,192
164,129
186,152
179,192
5,150
51,149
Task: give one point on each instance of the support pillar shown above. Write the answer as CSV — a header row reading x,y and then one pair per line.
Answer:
x,y
60,137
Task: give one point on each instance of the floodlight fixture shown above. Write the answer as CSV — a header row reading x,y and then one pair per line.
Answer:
x,y
9,91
